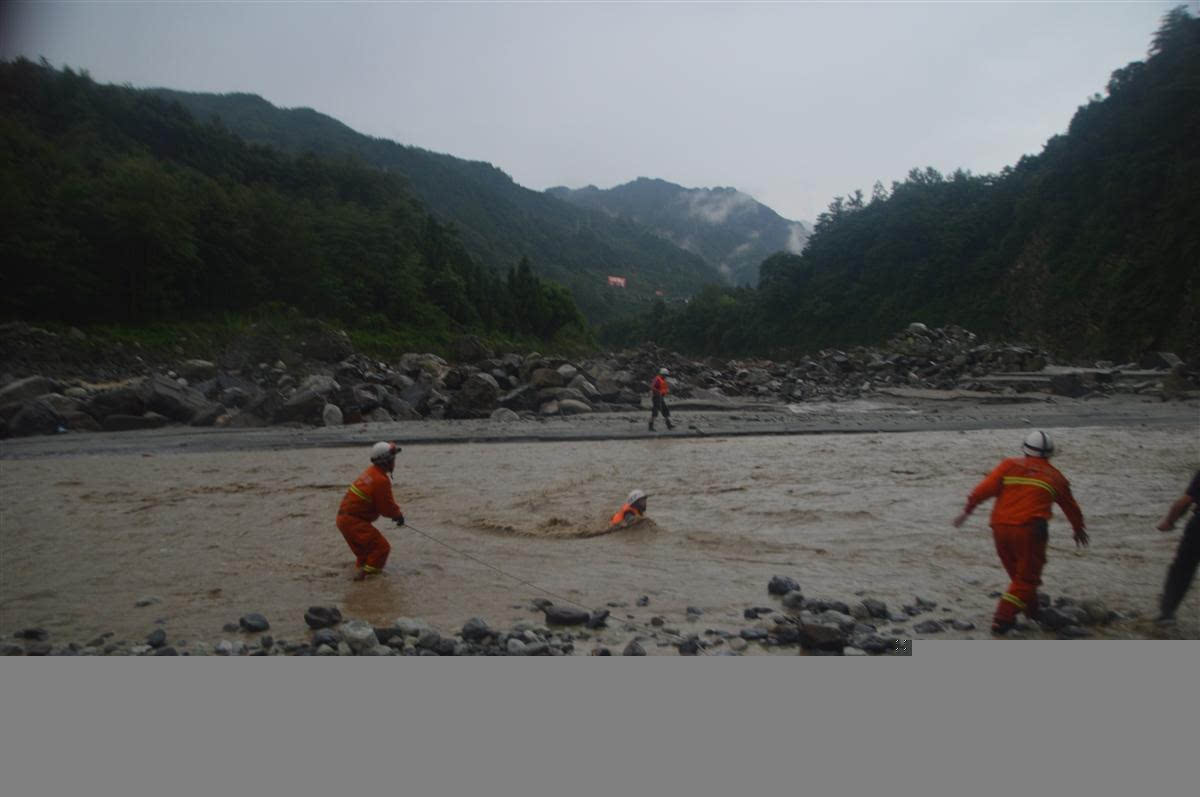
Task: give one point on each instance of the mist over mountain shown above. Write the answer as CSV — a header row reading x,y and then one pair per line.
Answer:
x,y
498,220
729,229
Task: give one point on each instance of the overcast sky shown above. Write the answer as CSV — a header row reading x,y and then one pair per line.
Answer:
x,y
792,103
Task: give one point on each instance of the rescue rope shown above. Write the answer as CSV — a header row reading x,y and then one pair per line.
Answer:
x,y
652,631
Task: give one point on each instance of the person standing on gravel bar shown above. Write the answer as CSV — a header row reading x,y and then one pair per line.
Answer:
x,y
631,511
658,398
1024,489
1187,556
367,498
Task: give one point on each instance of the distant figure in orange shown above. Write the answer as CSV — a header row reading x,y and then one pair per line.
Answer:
x,y
658,398
367,498
1024,489
631,511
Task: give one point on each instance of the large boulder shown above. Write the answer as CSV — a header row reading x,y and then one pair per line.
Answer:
x,y
320,384
332,416
573,407
305,406
36,417
479,393
546,377
122,400
584,387
21,390
172,400
260,411
522,398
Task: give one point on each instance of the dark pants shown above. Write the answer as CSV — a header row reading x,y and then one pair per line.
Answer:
x,y
659,404
1183,569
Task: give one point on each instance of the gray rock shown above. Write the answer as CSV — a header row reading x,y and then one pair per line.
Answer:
x,y
546,377
794,600
322,616
782,585
565,615
504,415
821,637
475,630
147,600
411,626
22,390
962,625
224,648
876,608
253,622
304,406
753,634
479,393
929,627
573,407
171,400
36,417
157,638
738,644
327,636
1096,612
690,646
331,415
634,648
429,640
515,647
358,635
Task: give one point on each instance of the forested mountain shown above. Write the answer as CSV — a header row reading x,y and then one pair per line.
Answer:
x,y
1090,248
729,229
117,206
499,221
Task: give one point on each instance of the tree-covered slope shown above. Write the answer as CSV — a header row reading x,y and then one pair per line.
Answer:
x,y
117,206
498,220
1091,248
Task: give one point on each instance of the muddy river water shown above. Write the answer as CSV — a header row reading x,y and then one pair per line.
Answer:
x,y
215,534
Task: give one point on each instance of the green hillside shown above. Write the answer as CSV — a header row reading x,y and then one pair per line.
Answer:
x,y
1090,248
498,221
117,206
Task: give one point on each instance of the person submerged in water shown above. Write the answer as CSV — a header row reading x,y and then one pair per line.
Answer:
x,y
632,511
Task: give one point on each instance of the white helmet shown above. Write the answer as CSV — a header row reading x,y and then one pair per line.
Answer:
x,y
1038,444
664,372
384,452
635,496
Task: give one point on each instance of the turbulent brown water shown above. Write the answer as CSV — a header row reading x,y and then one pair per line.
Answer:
x,y
216,535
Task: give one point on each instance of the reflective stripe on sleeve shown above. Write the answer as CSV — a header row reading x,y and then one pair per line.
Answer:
x,y
1031,482
354,489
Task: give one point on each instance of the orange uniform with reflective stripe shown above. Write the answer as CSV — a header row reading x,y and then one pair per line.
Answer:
x,y
367,498
370,496
1024,489
659,386
625,511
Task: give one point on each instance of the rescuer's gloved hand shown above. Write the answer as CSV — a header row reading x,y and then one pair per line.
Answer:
x,y
399,519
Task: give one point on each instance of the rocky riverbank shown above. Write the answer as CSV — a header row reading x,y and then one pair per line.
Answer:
x,y
793,623
320,381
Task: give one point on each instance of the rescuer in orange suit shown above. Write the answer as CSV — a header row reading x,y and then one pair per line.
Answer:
x,y
658,398
631,511
369,497
1024,489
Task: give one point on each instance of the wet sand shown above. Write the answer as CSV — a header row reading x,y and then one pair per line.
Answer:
x,y
221,523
